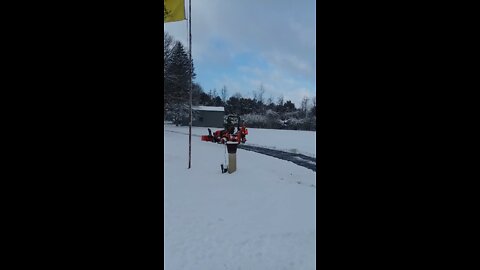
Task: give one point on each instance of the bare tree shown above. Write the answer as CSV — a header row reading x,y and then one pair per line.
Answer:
x,y
304,105
280,101
258,94
261,92
223,93
270,100
313,110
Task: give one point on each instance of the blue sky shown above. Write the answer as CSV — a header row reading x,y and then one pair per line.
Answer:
x,y
242,44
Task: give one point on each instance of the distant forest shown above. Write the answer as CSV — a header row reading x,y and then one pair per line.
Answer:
x,y
256,111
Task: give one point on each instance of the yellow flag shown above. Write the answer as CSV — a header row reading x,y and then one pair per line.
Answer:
x,y
173,10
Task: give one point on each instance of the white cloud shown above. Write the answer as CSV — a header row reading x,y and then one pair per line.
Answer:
x,y
281,32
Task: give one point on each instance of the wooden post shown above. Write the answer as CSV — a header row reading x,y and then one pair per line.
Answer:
x,y
232,156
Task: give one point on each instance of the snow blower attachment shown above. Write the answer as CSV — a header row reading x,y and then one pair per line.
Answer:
x,y
228,134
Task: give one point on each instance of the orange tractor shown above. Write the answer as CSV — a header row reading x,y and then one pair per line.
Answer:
x,y
228,134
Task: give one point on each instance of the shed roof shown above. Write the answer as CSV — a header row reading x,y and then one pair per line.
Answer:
x,y
208,108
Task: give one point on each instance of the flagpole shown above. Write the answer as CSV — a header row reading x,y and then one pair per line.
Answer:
x,y
191,75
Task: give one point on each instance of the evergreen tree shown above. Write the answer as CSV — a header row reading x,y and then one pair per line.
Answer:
x,y
196,94
177,84
233,105
289,106
205,99
177,77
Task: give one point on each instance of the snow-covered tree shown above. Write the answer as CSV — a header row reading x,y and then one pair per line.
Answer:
x,y
177,67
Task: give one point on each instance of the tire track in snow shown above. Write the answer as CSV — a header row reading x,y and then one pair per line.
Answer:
x,y
178,132
299,159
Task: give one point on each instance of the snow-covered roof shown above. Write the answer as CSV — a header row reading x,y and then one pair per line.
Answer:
x,y
208,108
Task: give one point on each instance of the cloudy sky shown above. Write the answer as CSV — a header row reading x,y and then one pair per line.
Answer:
x,y
242,44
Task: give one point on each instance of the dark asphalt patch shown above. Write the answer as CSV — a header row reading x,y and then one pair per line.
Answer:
x,y
299,159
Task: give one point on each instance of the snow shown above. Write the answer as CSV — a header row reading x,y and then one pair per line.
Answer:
x,y
208,108
261,217
295,141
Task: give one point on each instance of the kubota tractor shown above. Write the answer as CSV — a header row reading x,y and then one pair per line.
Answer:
x,y
228,134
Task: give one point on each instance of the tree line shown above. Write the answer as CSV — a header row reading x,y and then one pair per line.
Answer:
x,y
257,111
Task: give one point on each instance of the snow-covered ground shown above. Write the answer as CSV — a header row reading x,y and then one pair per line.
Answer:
x,y
261,217
296,141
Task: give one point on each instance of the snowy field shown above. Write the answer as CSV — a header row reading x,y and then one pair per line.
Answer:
x,y
261,217
295,141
